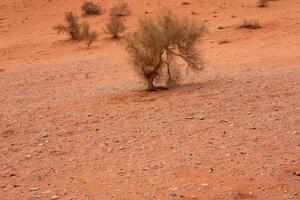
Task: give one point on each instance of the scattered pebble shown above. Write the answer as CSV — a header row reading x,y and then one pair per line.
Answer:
x,y
173,194
34,189
103,145
193,197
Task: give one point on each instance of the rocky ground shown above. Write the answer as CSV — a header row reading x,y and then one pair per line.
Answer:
x,y
76,123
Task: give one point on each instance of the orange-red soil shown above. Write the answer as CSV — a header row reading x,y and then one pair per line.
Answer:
x,y
76,123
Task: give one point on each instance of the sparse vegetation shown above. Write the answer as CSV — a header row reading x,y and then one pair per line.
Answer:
x,y
263,3
72,26
115,26
88,35
77,31
121,9
254,24
90,8
155,46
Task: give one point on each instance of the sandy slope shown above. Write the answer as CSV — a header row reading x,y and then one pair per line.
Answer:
x,y
76,124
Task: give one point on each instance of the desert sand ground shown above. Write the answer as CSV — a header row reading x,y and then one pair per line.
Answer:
x,y
76,123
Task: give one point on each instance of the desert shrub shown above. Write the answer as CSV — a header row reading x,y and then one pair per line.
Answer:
x,y
72,27
263,3
254,24
121,9
88,35
90,8
115,26
158,43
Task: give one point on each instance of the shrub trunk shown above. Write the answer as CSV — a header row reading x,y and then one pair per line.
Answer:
x,y
150,85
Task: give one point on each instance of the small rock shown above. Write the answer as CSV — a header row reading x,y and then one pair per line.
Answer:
x,y
54,197
103,145
296,173
33,189
223,120
173,194
189,118
146,194
12,174
296,133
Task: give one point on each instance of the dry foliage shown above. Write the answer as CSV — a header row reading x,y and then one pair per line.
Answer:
x,y
90,8
88,35
121,9
72,27
157,44
254,24
263,3
115,26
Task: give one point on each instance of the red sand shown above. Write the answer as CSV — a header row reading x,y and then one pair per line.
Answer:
x,y
76,124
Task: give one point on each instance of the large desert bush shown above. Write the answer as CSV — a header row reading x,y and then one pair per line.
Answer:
x,y
159,42
88,35
90,8
120,9
115,26
72,26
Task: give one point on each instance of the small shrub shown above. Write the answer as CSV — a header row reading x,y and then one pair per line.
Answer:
x,y
121,9
115,26
88,35
263,3
90,8
250,24
72,26
153,49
